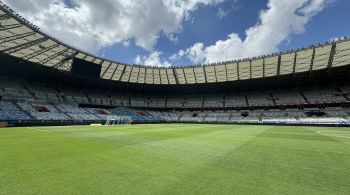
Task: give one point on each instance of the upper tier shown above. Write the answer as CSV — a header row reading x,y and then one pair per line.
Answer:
x,y
21,39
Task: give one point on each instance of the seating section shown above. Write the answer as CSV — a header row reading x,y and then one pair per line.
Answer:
x,y
24,111
43,111
9,111
193,102
238,100
175,102
260,99
33,101
212,101
288,97
11,89
327,95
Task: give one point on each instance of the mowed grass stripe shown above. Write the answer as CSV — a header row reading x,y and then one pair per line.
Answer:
x,y
173,159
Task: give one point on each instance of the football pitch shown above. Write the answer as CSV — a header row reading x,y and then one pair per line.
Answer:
x,y
175,159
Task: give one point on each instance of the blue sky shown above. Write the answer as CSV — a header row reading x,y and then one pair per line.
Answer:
x,y
191,32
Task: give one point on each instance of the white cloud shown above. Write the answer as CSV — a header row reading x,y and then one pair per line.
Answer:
x,y
152,60
92,24
195,53
178,55
173,38
281,20
221,13
126,43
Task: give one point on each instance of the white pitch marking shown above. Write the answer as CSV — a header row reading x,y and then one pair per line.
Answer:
x,y
340,136
37,129
46,130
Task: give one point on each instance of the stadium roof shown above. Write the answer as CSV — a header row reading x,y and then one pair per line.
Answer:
x,y
19,38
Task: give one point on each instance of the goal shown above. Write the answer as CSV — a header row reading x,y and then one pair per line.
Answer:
x,y
118,121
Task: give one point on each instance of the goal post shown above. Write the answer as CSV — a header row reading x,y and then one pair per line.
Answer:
x,y
118,120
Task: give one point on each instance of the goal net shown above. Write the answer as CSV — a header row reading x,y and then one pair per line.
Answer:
x,y
118,121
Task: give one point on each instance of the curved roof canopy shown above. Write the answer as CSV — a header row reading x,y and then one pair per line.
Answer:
x,y
21,39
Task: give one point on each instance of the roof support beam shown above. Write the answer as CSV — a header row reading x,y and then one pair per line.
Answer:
x,y
9,27
44,61
264,68
102,61
167,76
66,59
138,74
295,62
279,67
24,45
4,17
216,78
15,37
250,69
205,74
183,71
115,70
132,68
35,54
238,77
312,61
331,57
175,75
86,55
195,76
226,72
104,73
122,74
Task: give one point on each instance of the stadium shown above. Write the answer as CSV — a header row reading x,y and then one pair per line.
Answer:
x,y
76,123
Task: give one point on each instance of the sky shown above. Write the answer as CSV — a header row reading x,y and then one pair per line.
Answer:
x,y
187,32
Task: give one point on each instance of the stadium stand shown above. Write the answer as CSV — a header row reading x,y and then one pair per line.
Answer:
x,y
42,108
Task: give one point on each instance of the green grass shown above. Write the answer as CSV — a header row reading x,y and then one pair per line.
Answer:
x,y
175,159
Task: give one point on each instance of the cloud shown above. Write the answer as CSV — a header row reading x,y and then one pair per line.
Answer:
x,y
173,38
276,24
221,13
152,60
92,25
126,43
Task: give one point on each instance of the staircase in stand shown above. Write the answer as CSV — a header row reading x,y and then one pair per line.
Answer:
x,y
230,117
344,94
24,111
180,117
273,99
26,88
53,105
205,116
306,100
246,101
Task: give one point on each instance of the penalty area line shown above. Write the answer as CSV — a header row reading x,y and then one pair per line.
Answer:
x,y
326,134
37,129
44,130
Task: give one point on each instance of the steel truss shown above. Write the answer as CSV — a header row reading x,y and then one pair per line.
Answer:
x,y
35,54
4,17
20,47
66,59
16,37
9,27
331,57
